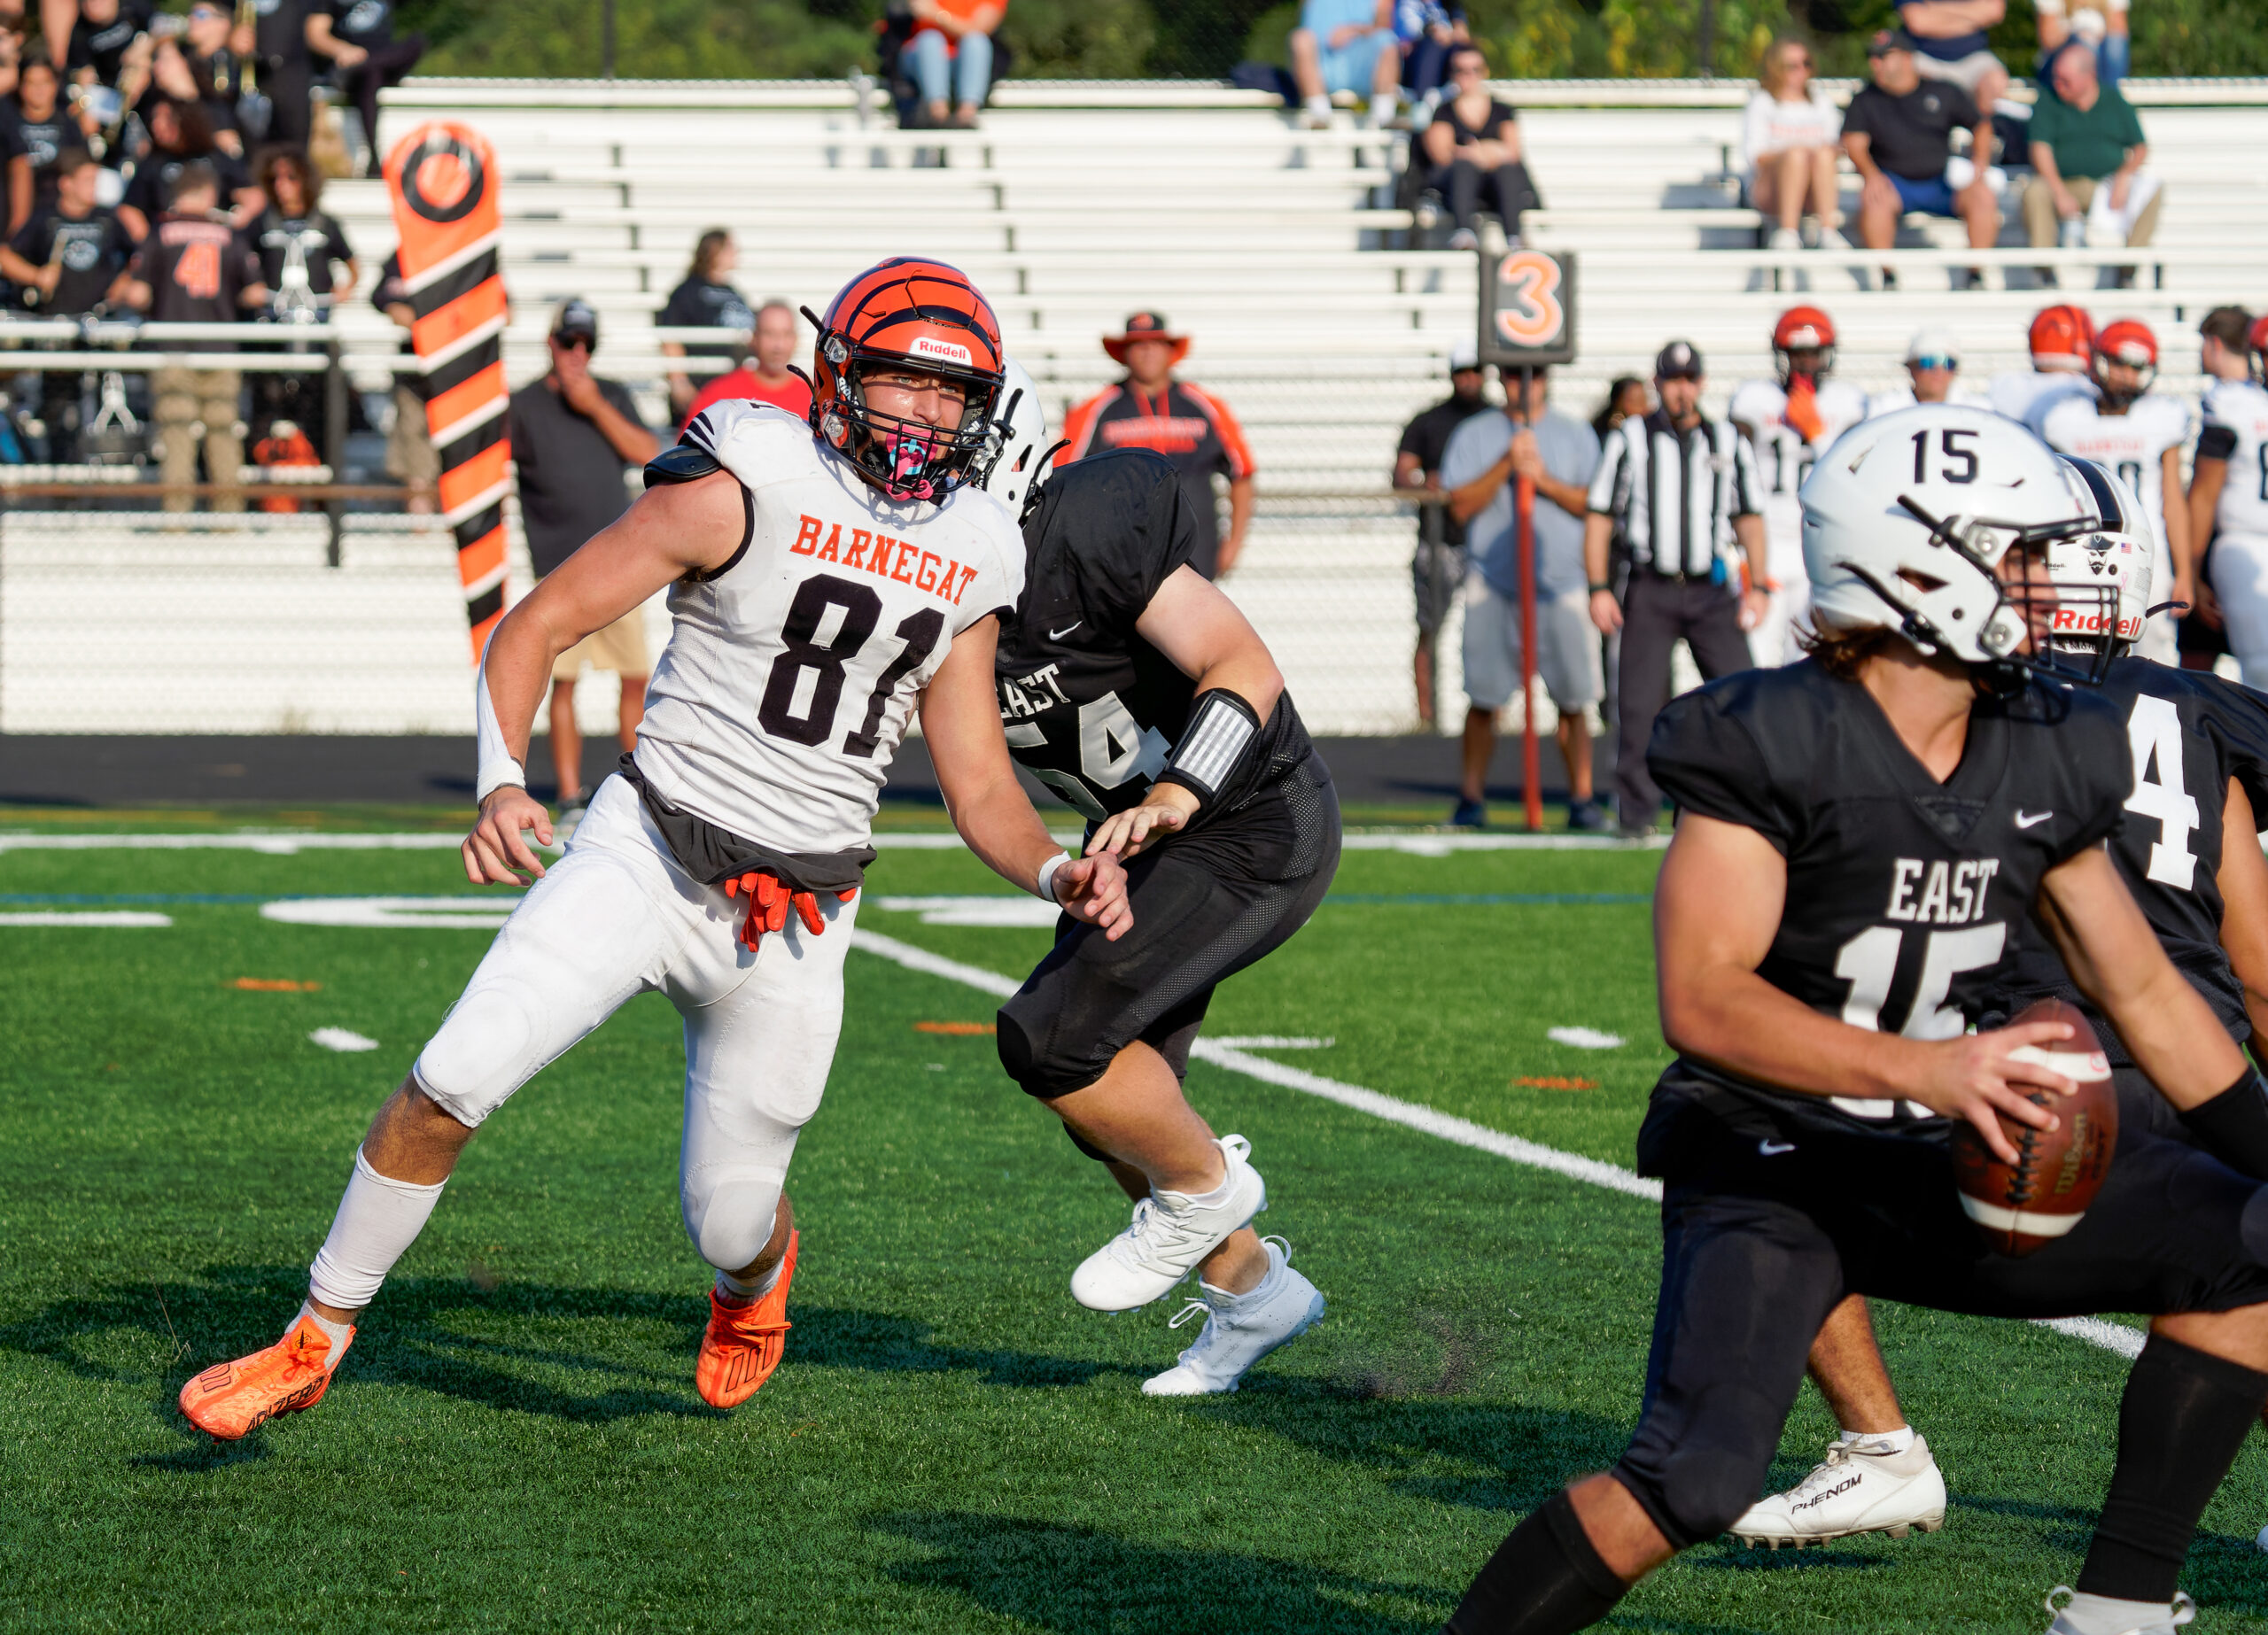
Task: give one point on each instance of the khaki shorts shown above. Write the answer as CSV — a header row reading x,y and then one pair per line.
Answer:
x,y
620,647
411,457
1967,72
1567,658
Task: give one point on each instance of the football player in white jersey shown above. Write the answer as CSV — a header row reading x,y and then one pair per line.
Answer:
x,y
2229,490
823,588
2062,349
2139,435
1792,421
1932,374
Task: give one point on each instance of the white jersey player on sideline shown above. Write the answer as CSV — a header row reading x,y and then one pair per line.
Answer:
x,y
2062,349
1932,371
823,589
2229,488
1792,421
2139,436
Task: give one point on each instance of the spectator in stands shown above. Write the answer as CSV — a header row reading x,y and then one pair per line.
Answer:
x,y
358,37
1682,533
1437,571
1950,47
1560,455
1428,31
952,47
1347,45
1932,367
1898,132
214,54
2100,25
1789,144
307,267
193,268
411,459
769,380
1627,395
37,127
69,259
110,46
286,73
1151,409
181,135
704,299
1473,145
575,437
2087,159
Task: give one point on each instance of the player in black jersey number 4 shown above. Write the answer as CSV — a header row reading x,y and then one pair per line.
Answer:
x,y
1860,835
1135,689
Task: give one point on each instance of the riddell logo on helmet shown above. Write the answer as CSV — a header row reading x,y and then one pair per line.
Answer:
x,y
944,352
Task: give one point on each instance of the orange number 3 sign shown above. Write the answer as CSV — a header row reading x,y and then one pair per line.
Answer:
x,y
1528,311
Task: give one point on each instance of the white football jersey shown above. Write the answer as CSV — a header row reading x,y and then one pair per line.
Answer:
x,y
2240,409
791,671
2025,396
2133,444
1783,454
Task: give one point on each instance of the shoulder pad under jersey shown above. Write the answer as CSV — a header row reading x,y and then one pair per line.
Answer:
x,y
682,464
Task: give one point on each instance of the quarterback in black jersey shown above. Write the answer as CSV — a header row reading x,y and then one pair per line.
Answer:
x,y
1861,836
1135,689
2198,748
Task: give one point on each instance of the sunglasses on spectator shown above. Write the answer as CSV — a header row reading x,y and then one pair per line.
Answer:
x,y
213,13
1933,363
573,343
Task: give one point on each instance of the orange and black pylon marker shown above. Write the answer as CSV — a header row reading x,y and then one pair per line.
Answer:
x,y
442,179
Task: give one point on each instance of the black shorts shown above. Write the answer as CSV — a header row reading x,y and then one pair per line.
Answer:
x,y
1762,1237
1207,904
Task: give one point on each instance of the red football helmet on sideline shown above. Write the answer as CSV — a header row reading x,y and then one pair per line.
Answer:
x,y
907,313
2064,337
2128,342
1803,329
2256,348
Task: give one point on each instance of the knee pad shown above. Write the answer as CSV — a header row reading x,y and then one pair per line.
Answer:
x,y
730,1216
1697,1487
1039,1068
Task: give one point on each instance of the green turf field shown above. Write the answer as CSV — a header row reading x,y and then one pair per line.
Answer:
x,y
953,1444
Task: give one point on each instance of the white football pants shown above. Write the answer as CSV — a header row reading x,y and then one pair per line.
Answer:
x,y
2241,581
615,917
1775,641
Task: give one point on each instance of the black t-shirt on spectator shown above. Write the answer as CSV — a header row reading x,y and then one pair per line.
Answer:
x,y
42,140
280,30
223,73
705,304
386,292
321,240
1499,113
1427,437
103,48
1911,134
196,268
146,192
93,251
360,22
571,478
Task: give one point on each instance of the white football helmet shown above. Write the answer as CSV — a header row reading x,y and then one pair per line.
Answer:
x,y
2102,579
1908,519
1017,463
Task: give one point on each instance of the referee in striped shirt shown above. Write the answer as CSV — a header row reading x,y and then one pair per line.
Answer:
x,y
1681,490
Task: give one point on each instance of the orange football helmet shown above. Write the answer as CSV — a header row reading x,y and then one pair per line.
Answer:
x,y
2256,348
2129,342
907,313
1804,329
2063,336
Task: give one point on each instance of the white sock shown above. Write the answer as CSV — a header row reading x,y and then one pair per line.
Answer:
x,y
736,1292
1319,107
378,1220
337,1333
1896,1441
1218,1197
2099,1615
1383,107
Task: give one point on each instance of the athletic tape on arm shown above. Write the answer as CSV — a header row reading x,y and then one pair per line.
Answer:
x,y
498,764
1222,727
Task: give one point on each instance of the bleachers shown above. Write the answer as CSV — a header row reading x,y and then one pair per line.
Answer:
x,y
1274,247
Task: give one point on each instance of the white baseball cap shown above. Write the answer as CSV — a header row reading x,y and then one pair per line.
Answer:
x,y
1936,341
1465,355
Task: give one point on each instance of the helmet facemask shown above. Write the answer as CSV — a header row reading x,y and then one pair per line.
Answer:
x,y
905,459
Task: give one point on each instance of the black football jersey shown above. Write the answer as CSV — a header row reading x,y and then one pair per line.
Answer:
x,y
1905,896
2187,733
1092,709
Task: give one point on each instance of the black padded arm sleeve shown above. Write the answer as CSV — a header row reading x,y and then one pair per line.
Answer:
x,y
2233,1126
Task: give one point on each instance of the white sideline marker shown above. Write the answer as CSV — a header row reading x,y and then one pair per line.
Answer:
x,y
1222,1053
999,911
116,919
1584,1038
341,1039
393,913
1273,1041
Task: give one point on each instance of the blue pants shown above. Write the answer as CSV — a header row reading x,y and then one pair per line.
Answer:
x,y
961,76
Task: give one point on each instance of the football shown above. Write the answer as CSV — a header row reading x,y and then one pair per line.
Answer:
x,y
2023,1207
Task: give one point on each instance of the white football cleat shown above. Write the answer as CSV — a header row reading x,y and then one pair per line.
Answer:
x,y
1851,1492
1171,1233
2181,1612
1240,1329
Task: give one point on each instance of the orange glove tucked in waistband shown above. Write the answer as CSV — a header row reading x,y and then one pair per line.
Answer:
x,y
768,902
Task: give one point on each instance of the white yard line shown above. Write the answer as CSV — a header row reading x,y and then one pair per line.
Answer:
x,y
285,842
128,919
2095,1330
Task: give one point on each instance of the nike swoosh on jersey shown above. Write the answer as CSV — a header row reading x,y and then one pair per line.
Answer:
x,y
2031,820
1773,1148
1058,635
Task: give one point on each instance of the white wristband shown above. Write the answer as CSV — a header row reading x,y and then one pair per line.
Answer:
x,y
498,765
2049,8
2119,6
1047,874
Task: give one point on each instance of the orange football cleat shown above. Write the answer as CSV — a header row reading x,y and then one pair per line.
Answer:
x,y
229,1399
744,1342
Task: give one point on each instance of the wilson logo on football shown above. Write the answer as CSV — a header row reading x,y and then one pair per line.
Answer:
x,y
944,352
1528,311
